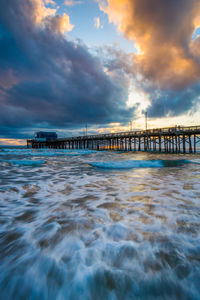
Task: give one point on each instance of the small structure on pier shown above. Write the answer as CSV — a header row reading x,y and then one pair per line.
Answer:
x,y
170,140
43,136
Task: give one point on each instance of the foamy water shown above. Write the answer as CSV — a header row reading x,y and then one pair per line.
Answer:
x,y
99,225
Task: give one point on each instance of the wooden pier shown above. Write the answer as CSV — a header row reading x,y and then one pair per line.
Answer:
x,y
169,140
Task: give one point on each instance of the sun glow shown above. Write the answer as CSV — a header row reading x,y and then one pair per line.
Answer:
x,y
12,142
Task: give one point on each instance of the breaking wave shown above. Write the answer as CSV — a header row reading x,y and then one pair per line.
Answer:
x,y
130,164
26,162
46,153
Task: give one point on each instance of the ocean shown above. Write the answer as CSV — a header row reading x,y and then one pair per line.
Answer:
x,y
108,225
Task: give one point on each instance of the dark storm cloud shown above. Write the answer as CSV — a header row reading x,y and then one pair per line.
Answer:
x,y
170,103
47,79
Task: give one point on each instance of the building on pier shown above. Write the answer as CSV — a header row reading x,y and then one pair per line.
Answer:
x,y
45,136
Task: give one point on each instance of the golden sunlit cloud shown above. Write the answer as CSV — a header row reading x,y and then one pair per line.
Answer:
x,y
42,15
72,2
59,24
97,22
162,32
64,24
40,11
50,2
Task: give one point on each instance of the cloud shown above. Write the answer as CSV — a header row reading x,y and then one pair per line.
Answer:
x,y
97,22
162,30
49,81
167,65
170,103
145,95
72,2
8,78
49,2
59,24
37,10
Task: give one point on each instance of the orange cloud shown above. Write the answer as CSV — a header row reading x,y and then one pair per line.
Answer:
x,y
59,24
40,11
162,30
97,22
72,2
42,15
12,142
50,2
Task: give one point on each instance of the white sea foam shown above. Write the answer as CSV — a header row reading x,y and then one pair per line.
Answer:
x,y
71,231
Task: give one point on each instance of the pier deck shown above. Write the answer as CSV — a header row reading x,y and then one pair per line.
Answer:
x,y
170,140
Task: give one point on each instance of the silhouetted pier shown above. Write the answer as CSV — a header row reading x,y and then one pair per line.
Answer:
x,y
170,140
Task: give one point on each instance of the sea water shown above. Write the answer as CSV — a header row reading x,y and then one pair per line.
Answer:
x,y
99,225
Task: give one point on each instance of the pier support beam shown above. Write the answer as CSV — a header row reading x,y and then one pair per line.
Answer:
x,y
183,143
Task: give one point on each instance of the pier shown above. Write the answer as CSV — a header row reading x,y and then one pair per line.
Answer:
x,y
179,139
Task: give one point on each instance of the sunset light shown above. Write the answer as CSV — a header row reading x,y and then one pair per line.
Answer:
x,y
99,149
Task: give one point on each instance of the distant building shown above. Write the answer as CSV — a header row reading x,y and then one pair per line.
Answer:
x,y
45,136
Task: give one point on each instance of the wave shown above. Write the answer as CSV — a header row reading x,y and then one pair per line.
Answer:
x,y
131,164
47,153
27,162
85,151
177,163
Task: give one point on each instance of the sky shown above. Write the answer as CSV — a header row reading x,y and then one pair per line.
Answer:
x,y
68,63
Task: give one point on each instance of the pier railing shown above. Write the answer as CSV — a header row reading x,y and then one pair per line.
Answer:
x,y
171,139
